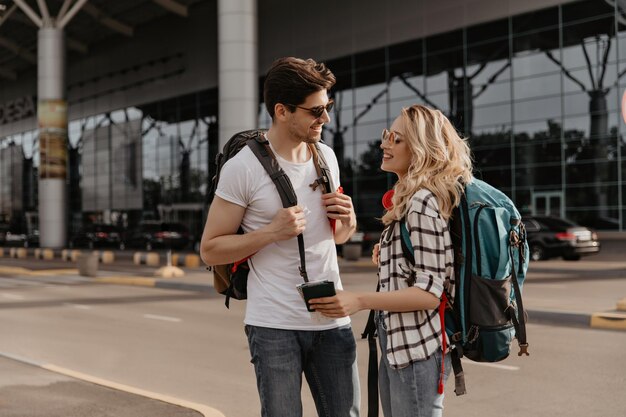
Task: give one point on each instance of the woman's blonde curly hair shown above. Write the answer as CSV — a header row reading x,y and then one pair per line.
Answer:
x,y
440,162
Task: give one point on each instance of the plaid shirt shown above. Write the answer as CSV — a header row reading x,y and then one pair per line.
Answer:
x,y
416,335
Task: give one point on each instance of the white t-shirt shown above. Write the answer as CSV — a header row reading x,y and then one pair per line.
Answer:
x,y
273,300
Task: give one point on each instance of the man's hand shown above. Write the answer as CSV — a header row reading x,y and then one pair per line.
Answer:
x,y
341,305
287,223
339,207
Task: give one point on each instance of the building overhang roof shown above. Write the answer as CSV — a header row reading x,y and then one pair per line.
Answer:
x,y
88,25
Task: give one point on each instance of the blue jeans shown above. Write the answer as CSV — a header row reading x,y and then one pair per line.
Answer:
x,y
410,391
328,360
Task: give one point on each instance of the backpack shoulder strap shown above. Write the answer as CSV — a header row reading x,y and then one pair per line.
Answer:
x,y
405,242
261,149
325,179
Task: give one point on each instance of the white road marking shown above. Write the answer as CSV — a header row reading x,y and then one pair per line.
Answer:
x,y
205,410
493,365
164,318
78,306
12,296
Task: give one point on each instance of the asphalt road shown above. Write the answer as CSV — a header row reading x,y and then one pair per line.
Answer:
x,y
187,346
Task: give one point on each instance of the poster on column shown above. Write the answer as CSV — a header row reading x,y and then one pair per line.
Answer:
x,y
52,115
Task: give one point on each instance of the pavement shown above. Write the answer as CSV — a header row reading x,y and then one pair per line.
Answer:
x,y
596,298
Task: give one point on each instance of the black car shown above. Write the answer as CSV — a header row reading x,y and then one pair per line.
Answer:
x,y
97,235
154,234
26,240
550,237
4,229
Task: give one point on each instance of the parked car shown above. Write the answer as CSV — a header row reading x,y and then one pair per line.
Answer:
x,y
4,229
150,235
550,237
25,240
97,235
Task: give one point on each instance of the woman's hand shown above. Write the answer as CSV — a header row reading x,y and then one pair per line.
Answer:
x,y
376,253
341,305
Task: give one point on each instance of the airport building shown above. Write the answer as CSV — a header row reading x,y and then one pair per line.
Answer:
x,y
113,111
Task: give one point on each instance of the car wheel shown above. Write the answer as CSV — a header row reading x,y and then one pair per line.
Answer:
x,y
571,257
537,252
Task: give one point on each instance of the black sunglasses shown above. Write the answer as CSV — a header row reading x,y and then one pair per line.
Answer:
x,y
316,111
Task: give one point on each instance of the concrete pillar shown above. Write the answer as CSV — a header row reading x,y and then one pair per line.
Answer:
x,y
237,67
52,118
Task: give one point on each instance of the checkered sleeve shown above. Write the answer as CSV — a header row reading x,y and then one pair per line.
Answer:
x,y
427,231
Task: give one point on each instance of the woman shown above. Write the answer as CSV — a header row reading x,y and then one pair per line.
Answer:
x,y
431,161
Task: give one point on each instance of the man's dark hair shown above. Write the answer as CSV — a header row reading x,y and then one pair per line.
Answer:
x,y
291,80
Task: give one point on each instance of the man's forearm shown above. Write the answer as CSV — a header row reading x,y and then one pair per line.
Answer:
x,y
343,231
230,248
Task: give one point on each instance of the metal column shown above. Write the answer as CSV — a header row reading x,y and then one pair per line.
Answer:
x,y
237,67
52,117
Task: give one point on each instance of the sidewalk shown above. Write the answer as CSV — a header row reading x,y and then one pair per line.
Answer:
x,y
35,390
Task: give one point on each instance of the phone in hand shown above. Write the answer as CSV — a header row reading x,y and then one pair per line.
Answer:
x,y
316,289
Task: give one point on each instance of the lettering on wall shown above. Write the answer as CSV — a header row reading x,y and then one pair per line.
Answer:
x,y
18,109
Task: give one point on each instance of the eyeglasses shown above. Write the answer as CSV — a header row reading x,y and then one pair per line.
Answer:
x,y
388,136
316,111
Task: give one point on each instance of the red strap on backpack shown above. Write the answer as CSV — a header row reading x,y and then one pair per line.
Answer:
x,y
237,263
444,344
333,222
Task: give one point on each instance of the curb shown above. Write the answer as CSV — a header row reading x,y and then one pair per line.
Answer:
x,y
170,285
612,320
117,279
150,258
156,283
205,410
44,254
121,280
609,321
560,318
147,258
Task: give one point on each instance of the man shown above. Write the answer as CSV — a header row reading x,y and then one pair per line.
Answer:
x,y
285,339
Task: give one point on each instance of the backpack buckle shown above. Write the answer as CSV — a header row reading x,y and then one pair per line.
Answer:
x,y
456,338
472,334
323,181
523,349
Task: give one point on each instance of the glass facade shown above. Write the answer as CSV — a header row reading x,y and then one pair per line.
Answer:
x,y
537,95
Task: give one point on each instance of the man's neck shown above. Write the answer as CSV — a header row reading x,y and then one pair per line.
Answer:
x,y
288,147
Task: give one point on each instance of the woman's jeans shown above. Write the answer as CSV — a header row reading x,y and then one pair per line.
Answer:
x,y
410,391
327,358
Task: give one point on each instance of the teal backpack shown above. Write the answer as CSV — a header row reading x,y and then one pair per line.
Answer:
x,y
491,260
